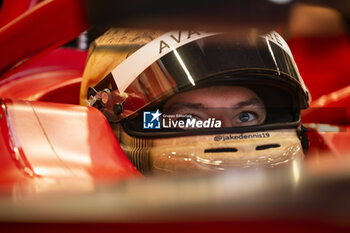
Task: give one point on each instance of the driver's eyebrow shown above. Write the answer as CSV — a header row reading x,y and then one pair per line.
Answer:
x,y
188,105
253,101
181,105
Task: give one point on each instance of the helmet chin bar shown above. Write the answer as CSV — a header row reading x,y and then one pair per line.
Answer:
x,y
201,150
182,163
214,153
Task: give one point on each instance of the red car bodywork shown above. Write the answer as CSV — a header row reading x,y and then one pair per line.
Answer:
x,y
47,138
56,78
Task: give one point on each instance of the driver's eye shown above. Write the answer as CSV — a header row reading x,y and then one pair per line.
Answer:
x,y
246,116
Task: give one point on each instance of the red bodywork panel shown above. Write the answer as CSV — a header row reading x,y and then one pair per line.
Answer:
x,y
323,63
332,108
47,141
26,36
11,9
56,77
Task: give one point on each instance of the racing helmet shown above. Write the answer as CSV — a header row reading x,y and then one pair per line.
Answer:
x,y
133,76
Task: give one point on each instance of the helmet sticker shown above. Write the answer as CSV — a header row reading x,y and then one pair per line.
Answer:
x,y
126,72
242,136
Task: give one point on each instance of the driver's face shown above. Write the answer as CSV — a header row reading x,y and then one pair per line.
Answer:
x,y
235,106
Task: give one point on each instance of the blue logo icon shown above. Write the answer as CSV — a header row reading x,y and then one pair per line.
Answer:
x,y
151,120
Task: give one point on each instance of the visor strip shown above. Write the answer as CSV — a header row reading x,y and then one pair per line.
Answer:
x,y
127,71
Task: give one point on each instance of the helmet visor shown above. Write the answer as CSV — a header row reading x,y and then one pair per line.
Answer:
x,y
258,63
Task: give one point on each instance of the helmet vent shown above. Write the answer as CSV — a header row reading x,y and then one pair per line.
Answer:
x,y
267,146
220,150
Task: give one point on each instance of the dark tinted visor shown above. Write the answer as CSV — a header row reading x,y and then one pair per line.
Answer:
x,y
212,60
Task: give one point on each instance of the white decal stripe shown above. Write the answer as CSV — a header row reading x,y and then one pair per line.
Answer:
x,y
127,71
